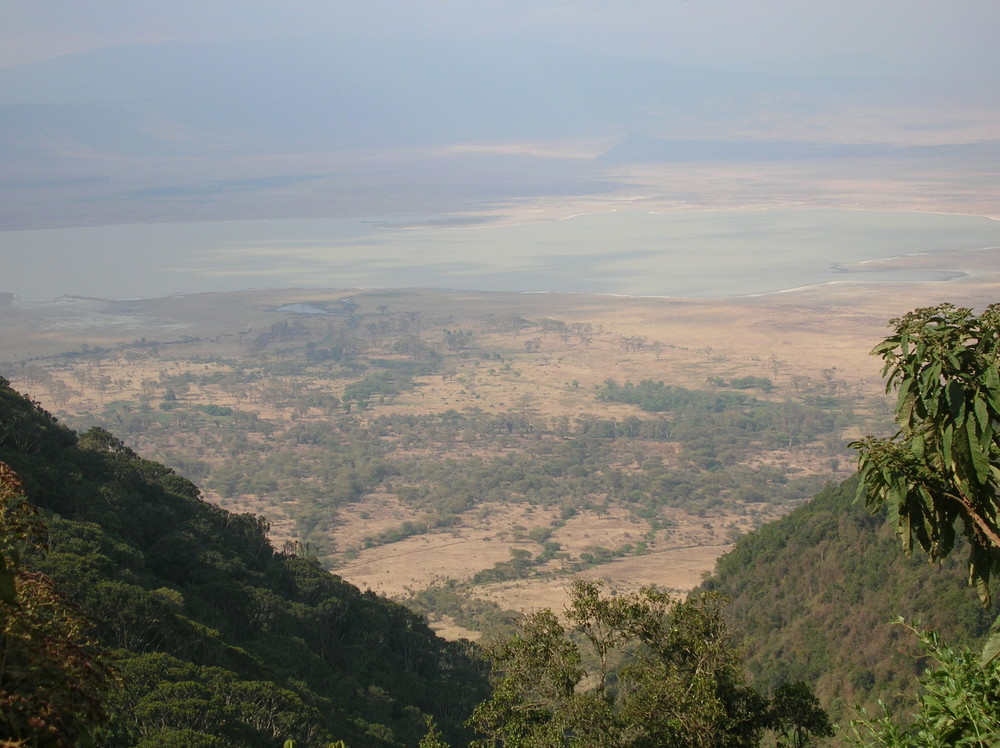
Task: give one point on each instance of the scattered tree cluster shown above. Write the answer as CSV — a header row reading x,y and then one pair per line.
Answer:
x,y
634,670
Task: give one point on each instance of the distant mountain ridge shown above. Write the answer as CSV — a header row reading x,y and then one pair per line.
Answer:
x,y
643,149
196,99
184,131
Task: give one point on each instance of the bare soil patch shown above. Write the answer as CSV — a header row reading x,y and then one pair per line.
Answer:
x,y
676,570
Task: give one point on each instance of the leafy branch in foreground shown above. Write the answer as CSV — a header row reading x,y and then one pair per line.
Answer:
x,y
944,463
941,467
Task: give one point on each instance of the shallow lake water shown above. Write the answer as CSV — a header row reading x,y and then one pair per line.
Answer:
x,y
698,254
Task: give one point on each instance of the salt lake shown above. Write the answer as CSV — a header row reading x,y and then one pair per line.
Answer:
x,y
697,254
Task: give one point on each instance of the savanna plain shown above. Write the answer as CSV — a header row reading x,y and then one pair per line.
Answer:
x,y
470,453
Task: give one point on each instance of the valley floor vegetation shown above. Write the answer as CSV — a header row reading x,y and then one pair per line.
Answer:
x,y
338,412
136,613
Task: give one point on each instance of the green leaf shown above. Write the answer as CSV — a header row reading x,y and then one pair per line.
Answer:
x,y
982,415
956,398
953,360
992,647
991,380
980,458
904,532
930,383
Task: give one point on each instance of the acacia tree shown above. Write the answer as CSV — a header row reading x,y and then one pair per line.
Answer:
x,y
943,465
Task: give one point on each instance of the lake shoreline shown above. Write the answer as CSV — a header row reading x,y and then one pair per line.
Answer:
x,y
698,254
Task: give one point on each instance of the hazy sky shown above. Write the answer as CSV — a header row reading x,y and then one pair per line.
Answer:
x,y
162,83
940,35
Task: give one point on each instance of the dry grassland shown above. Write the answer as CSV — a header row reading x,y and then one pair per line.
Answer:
x,y
674,569
793,338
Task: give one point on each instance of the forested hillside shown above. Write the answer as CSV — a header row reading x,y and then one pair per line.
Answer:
x,y
217,639
816,592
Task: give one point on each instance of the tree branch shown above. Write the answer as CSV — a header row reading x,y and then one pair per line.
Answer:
x,y
979,523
